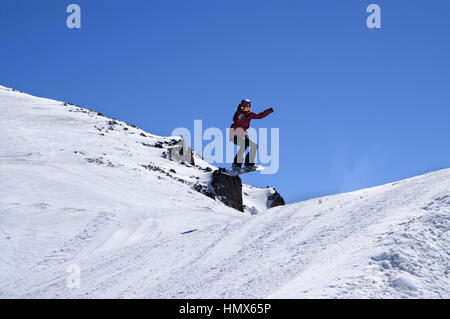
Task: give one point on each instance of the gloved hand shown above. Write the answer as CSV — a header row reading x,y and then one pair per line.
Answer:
x,y
270,110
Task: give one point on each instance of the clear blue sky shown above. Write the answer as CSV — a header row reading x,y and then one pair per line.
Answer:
x,y
356,107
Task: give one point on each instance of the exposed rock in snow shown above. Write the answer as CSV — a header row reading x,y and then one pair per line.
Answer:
x,y
228,189
275,200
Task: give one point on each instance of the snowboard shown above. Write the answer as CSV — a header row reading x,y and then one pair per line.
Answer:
x,y
244,170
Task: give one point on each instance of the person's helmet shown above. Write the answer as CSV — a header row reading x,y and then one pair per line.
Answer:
x,y
245,104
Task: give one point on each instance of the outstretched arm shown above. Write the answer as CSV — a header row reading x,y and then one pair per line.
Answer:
x,y
260,115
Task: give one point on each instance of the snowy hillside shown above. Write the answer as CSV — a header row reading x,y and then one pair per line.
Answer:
x,y
79,188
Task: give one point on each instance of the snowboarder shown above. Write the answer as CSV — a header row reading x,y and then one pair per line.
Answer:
x,y
238,135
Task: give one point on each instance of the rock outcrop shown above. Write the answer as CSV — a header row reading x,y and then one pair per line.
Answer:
x,y
228,189
275,200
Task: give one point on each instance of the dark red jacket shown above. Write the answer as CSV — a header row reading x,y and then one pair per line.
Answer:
x,y
242,118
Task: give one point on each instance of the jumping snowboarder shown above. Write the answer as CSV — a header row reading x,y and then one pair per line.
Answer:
x,y
238,135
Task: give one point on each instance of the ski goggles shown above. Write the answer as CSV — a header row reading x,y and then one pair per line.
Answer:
x,y
245,107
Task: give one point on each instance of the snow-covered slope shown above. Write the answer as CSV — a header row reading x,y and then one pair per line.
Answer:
x,y
73,191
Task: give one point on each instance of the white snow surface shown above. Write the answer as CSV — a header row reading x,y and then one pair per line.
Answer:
x,y
73,192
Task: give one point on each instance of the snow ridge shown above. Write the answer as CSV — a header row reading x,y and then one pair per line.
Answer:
x,y
80,188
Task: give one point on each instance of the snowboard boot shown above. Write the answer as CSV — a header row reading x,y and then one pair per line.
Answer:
x,y
236,167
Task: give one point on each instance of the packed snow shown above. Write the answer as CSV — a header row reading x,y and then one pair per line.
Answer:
x,y
75,190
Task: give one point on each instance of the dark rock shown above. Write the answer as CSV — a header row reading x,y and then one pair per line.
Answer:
x,y
98,160
204,190
275,200
110,164
142,134
228,189
154,168
172,142
172,171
